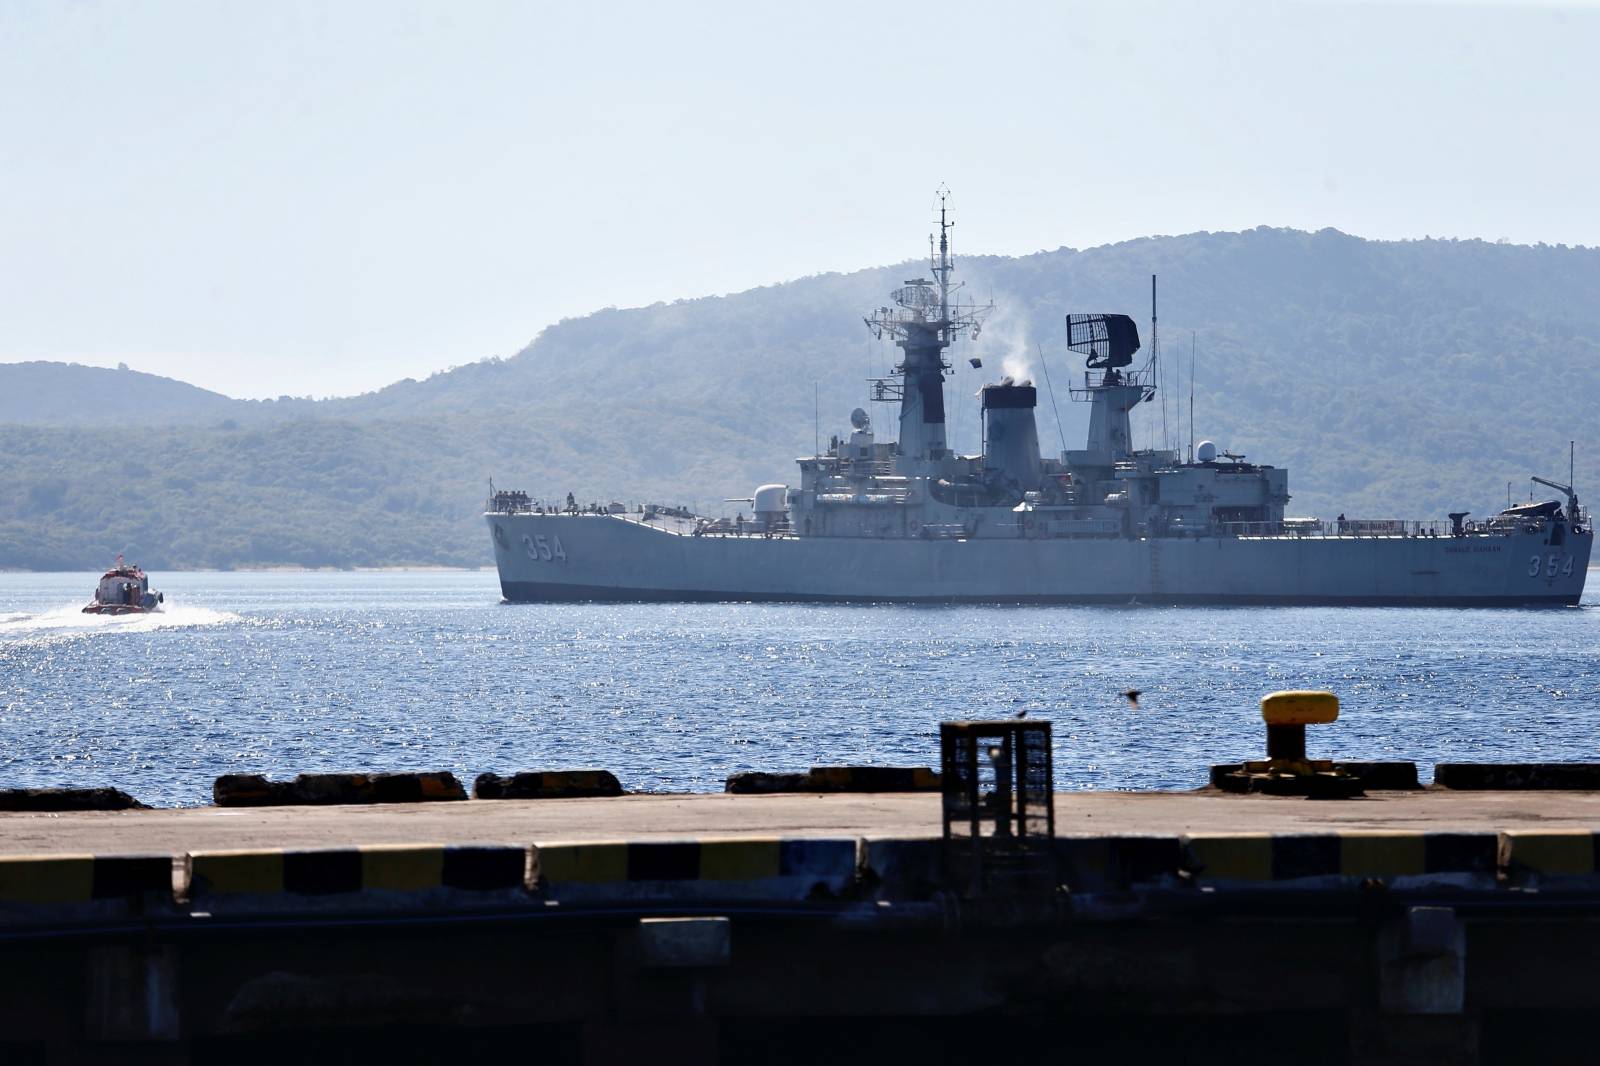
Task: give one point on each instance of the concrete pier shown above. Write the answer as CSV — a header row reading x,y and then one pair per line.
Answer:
x,y
1399,927
675,815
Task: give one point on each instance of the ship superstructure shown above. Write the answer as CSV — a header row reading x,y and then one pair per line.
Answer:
x,y
910,520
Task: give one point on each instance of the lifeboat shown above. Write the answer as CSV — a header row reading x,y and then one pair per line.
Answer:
x,y
124,589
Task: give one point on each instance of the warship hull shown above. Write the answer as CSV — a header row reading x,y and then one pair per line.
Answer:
x,y
561,557
913,521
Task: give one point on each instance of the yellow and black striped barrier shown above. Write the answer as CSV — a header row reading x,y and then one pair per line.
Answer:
x,y
914,869
903,868
1367,854
767,868
1107,863
29,880
219,875
783,869
1546,855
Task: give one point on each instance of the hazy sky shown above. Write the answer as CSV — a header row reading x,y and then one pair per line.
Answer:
x,y
321,198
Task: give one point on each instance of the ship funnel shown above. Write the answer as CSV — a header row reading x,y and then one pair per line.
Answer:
x,y
1011,439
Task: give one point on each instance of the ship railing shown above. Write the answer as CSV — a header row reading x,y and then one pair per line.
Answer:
x,y
513,502
1099,379
868,467
1374,527
1339,527
510,502
722,527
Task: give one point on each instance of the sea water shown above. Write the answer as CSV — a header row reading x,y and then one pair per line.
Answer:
x,y
281,673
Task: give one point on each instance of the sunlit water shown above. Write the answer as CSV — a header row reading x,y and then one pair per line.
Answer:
x,y
287,672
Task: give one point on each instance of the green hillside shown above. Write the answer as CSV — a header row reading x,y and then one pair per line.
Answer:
x,y
66,394
1393,379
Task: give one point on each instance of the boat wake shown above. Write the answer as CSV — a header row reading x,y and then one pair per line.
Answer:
x,y
71,621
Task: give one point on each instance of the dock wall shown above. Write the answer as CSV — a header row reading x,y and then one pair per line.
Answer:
x,y
1355,947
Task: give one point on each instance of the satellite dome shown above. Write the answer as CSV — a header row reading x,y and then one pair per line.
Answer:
x,y
859,419
1207,452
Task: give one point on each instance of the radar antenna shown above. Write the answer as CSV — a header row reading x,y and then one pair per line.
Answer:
x,y
1108,340
931,303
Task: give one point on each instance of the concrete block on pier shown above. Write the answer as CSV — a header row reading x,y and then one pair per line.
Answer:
x,y
872,779
79,887
1382,776
837,779
758,783
67,799
547,784
768,869
386,875
1578,776
1374,776
254,790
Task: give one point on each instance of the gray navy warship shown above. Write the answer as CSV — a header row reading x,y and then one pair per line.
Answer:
x,y
911,521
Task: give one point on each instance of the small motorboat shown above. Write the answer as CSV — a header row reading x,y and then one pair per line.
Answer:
x,y
124,589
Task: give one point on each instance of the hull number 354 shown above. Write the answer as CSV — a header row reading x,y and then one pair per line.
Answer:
x,y
543,549
1541,565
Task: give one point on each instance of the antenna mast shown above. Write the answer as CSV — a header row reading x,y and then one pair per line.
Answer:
x,y
1054,410
1155,364
923,324
1191,395
942,270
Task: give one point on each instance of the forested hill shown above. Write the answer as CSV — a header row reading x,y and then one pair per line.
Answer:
x,y
65,394
1393,379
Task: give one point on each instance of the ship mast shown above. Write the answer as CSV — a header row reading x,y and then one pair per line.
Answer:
x,y
923,324
1114,390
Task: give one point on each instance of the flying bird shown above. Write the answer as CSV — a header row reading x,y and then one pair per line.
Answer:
x,y
1132,696
1020,714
